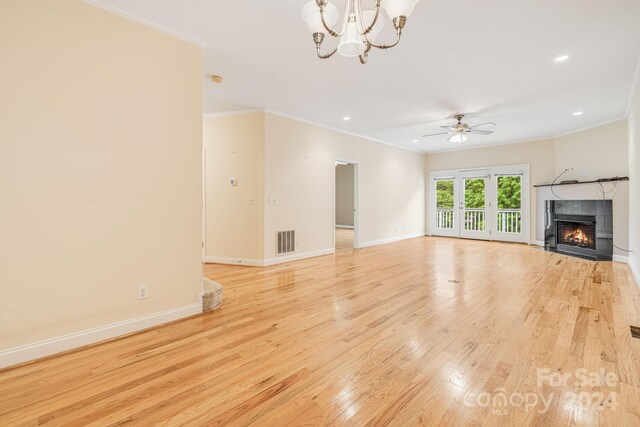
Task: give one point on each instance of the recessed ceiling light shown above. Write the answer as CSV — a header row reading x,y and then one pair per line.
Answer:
x,y
415,140
346,118
577,113
561,58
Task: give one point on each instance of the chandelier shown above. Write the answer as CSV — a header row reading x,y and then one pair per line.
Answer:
x,y
359,27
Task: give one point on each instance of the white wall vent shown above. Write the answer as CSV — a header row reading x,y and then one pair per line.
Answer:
x,y
285,242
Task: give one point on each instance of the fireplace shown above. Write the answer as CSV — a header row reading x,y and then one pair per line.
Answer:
x,y
576,234
582,228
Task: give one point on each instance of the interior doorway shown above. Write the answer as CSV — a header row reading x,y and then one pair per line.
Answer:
x,y
346,215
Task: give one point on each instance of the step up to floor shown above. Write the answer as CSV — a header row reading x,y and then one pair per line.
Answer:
x,y
212,295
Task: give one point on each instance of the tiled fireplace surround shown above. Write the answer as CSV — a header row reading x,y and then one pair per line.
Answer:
x,y
585,212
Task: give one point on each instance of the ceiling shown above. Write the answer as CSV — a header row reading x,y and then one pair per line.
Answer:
x,y
492,60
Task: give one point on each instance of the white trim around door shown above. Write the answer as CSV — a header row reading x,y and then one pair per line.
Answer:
x,y
492,220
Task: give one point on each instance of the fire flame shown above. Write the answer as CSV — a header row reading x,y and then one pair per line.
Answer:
x,y
578,236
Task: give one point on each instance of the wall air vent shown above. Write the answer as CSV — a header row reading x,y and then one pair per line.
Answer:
x,y
285,242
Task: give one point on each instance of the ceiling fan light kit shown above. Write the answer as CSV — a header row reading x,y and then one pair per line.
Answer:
x,y
359,28
459,132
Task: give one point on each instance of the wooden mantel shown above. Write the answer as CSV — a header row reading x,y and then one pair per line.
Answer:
x,y
624,178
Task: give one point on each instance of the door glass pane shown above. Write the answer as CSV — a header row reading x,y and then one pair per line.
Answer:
x,y
509,215
474,204
444,191
509,192
444,203
474,193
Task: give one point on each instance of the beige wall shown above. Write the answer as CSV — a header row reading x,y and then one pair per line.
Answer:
x,y
344,195
100,169
234,147
538,154
299,171
594,153
634,175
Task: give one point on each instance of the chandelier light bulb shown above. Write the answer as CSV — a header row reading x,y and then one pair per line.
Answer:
x,y
311,15
397,8
352,42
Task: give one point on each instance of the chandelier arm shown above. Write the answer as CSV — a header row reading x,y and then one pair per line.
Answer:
x,y
368,29
384,46
364,56
326,55
331,31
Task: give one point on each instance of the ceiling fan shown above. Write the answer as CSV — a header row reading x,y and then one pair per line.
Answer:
x,y
460,130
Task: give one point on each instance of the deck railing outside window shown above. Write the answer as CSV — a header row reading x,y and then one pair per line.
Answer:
x,y
474,219
444,218
509,221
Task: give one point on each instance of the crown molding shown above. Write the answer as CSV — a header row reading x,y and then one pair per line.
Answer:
x,y
634,85
345,132
234,112
124,14
608,122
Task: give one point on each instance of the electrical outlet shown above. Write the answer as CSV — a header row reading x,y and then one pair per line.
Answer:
x,y
143,292
251,201
273,200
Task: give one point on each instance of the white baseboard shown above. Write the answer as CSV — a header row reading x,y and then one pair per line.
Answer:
x,y
25,353
634,273
270,261
537,243
621,258
391,239
296,257
234,261
350,227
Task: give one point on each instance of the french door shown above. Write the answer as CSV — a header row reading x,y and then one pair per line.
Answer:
x,y
474,204
489,204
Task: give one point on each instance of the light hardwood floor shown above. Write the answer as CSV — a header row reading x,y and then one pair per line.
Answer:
x,y
398,334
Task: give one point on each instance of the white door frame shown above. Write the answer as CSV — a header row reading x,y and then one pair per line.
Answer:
x,y
204,205
488,197
523,169
525,200
356,200
452,232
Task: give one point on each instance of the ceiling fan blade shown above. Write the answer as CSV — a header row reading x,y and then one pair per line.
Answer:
x,y
448,127
436,134
483,124
481,132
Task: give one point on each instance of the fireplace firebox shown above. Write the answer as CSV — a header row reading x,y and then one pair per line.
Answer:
x,y
576,234
582,228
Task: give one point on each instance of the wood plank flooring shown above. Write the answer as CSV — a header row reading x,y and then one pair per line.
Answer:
x,y
417,332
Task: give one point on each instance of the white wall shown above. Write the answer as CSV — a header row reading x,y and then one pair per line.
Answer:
x,y
299,171
100,170
344,194
594,153
634,175
234,148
